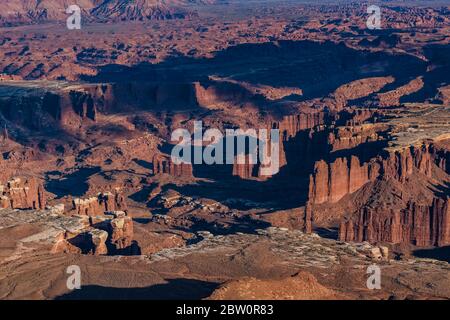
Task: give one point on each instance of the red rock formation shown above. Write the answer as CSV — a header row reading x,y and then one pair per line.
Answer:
x,y
164,165
444,95
420,225
120,232
359,116
100,204
319,183
97,239
308,219
392,98
107,234
331,182
22,193
83,104
398,165
4,202
291,125
350,137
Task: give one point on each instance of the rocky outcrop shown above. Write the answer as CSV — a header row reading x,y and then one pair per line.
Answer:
x,y
120,230
353,136
421,225
5,135
360,88
444,95
23,193
83,105
97,239
300,286
164,165
100,204
308,219
107,234
359,116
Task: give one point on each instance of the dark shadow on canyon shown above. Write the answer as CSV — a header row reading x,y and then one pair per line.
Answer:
x,y
328,233
74,184
317,68
442,191
437,76
280,191
174,289
442,253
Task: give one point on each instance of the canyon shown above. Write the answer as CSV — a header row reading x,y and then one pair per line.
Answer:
x,y
87,177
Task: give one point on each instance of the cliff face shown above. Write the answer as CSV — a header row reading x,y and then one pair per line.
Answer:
x,y
441,157
419,221
420,225
289,128
330,182
244,170
22,193
73,106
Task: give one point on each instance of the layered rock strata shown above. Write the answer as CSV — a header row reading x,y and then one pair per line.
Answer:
x,y
330,182
421,225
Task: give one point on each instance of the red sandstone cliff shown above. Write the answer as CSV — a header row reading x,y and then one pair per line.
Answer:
x,y
420,225
330,182
394,220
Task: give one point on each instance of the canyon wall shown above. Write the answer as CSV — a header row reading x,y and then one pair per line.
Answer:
x,y
421,225
330,182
